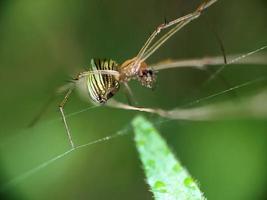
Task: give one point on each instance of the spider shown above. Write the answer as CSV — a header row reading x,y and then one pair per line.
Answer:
x,y
102,81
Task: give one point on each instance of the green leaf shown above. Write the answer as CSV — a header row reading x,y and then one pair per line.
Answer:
x,y
165,175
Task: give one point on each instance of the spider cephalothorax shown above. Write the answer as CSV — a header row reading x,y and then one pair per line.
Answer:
x,y
132,69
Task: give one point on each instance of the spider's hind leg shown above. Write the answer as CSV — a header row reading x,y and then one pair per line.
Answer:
x,y
69,88
61,108
57,92
129,94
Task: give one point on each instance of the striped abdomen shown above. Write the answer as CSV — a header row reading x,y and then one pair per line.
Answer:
x,y
101,87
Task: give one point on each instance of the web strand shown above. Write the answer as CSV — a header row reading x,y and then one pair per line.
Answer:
x,y
38,168
49,121
218,71
225,91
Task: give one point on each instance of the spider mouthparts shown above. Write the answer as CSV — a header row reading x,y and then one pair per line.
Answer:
x,y
147,77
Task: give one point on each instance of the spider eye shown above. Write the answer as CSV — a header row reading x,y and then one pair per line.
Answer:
x,y
150,72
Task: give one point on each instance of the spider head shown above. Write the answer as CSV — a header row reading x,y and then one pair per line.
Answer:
x,y
147,77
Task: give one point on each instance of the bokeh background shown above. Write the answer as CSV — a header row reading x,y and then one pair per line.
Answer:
x,y
45,42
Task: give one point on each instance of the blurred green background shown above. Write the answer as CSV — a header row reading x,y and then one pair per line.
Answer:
x,y
43,43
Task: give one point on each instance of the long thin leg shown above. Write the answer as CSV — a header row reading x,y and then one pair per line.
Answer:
x,y
199,64
129,94
218,38
163,39
158,30
249,108
116,74
202,63
61,108
144,53
41,112
50,100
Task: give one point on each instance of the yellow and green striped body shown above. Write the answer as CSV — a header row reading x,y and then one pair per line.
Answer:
x,y
101,87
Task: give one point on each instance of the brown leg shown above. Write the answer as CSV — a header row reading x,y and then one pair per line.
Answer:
x,y
147,50
129,94
50,100
61,108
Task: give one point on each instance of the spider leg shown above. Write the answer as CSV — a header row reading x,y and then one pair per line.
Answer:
x,y
50,100
200,64
41,112
218,38
203,113
69,88
129,94
116,104
224,110
197,114
116,74
145,51
67,95
203,63
157,31
163,113
61,108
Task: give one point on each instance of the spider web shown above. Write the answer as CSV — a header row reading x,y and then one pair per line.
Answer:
x,y
127,129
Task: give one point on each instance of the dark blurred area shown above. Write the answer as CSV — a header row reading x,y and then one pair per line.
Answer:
x,y
44,43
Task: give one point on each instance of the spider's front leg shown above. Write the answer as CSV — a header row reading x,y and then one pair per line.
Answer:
x,y
149,47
